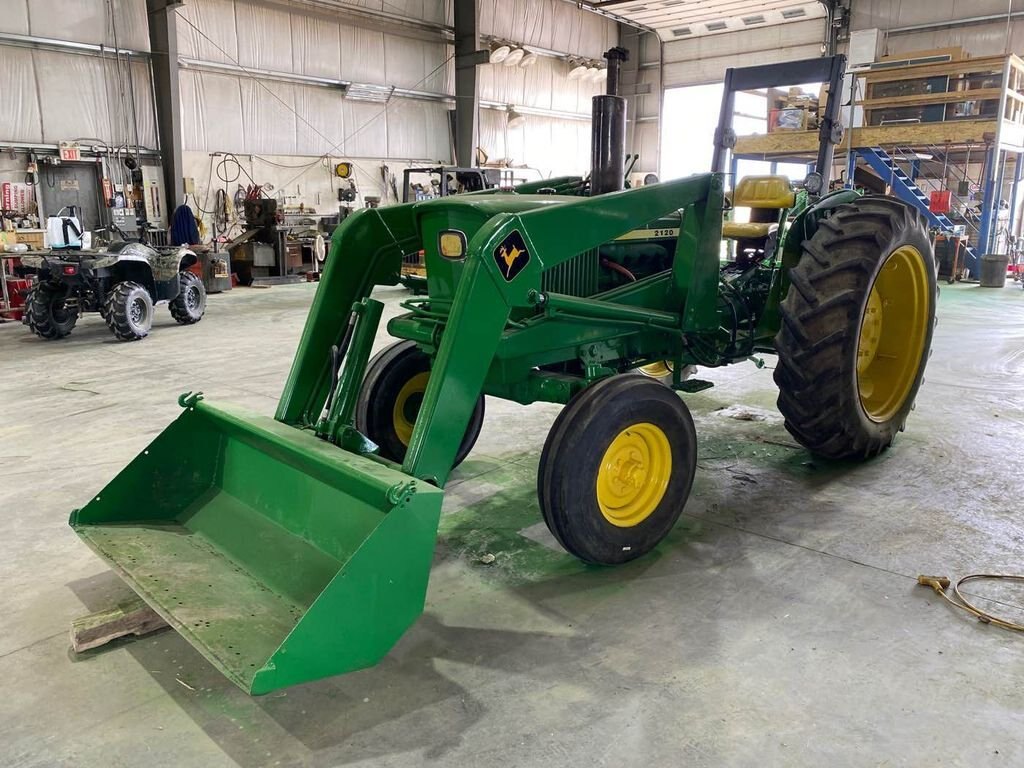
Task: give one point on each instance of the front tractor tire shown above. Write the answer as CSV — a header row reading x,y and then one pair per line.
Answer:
x,y
617,469
189,306
390,398
128,311
856,329
47,311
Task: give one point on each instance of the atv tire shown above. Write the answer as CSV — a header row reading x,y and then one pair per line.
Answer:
x,y
47,313
189,305
128,310
856,329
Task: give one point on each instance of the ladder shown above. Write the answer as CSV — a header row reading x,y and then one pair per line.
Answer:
x,y
903,187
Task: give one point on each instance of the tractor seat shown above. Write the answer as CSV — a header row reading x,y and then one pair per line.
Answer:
x,y
767,195
753,230
763,192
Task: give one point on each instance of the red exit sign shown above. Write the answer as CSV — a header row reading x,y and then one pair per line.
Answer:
x,y
69,150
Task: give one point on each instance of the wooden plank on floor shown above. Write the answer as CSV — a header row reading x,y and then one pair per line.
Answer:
x,y
133,617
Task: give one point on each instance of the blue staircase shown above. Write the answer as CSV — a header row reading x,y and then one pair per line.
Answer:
x,y
905,189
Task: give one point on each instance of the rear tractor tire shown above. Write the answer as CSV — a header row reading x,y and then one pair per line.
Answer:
x,y
857,328
128,311
617,469
189,306
390,400
47,312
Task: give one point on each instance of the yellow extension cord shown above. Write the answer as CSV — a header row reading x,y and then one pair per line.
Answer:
x,y
941,583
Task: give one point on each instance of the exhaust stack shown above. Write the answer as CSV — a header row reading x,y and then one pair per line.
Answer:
x,y
608,131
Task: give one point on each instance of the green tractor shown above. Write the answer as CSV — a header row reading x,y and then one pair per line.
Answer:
x,y
294,548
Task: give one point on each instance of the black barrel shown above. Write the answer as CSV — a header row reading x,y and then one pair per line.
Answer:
x,y
993,270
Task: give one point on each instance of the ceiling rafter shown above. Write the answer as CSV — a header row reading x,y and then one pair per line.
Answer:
x,y
683,19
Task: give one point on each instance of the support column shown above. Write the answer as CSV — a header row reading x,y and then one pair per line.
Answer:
x,y
1012,225
985,230
467,97
993,230
163,42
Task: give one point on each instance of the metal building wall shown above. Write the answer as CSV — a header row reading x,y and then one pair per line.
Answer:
x,y
979,26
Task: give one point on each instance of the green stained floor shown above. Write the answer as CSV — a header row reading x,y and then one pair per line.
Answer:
x,y
779,623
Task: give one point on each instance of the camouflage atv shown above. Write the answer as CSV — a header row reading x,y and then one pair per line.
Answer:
x,y
122,283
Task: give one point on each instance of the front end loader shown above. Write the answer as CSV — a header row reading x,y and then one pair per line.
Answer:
x,y
298,547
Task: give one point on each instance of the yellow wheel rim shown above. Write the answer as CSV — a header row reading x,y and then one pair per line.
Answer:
x,y
634,475
407,406
890,345
658,370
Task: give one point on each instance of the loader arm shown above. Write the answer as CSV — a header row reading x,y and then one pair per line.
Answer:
x,y
366,250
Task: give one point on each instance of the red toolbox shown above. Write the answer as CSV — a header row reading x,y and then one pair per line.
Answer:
x,y
16,290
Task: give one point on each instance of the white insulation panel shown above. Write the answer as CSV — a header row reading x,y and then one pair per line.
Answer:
x,y
80,21
258,115
552,146
66,96
260,37
228,113
552,24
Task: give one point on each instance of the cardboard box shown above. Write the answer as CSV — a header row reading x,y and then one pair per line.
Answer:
x,y
33,238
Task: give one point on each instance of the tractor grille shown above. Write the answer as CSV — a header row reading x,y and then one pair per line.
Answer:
x,y
576,277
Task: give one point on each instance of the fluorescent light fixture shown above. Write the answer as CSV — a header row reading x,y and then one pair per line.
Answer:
x,y
499,54
365,92
514,57
528,60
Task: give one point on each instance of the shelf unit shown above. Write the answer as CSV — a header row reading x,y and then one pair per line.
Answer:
x,y
954,114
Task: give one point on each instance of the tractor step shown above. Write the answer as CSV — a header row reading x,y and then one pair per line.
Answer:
x,y
695,385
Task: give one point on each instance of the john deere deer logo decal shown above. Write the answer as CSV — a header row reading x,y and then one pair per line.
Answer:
x,y
512,255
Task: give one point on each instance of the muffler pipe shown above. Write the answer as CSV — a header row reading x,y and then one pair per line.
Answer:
x,y
608,131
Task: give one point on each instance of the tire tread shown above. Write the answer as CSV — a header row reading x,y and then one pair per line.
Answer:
x,y
820,319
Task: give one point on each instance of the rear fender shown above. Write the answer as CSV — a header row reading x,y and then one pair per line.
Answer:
x,y
806,223
137,270
802,228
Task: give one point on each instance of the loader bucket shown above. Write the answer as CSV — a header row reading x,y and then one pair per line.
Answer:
x,y
282,558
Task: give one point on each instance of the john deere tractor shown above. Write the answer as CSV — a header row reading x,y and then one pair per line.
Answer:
x,y
298,547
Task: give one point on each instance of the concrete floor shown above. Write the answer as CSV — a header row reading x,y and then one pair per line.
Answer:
x,y
779,624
